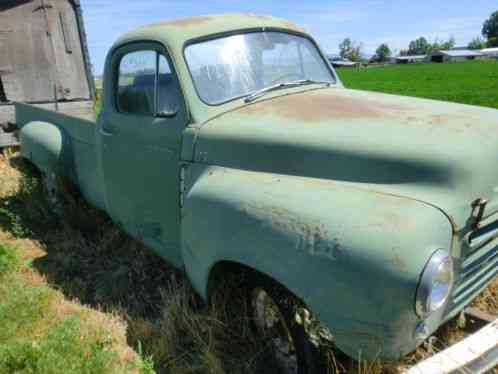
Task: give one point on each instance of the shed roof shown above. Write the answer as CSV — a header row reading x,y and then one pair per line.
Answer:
x,y
412,57
459,53
344,63
489,51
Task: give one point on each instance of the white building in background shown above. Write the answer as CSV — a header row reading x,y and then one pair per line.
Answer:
x,y
410,59
454,55
490,52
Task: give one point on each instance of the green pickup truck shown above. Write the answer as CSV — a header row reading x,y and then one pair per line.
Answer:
x,y
227,144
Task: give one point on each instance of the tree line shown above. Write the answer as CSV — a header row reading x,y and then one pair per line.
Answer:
x,y
352,50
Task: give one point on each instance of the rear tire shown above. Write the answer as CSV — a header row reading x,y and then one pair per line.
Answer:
x,y
274,313
54,194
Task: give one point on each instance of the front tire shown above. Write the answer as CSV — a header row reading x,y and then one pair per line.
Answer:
x,y
275,315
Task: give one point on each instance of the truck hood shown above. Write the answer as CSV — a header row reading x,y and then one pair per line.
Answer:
x,y
440,153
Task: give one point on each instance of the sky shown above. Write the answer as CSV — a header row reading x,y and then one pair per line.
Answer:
x,y
370,22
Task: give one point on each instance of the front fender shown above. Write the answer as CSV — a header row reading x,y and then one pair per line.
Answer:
x,y
353,256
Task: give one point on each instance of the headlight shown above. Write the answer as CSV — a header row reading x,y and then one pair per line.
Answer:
x,y
435,284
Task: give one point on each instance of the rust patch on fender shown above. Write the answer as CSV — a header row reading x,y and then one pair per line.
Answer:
x,y
397,261
310,237
184,22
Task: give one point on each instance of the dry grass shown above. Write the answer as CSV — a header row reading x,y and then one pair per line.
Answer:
x,y
488,299
140,305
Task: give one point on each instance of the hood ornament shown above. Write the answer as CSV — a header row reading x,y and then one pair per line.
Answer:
x,y
478,208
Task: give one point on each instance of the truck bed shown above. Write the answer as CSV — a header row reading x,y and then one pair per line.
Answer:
x,y
78,128
82,109
79,162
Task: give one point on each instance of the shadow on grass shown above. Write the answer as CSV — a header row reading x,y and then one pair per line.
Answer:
x,y
89,259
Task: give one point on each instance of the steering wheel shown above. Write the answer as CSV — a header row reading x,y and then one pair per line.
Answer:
x,y
289,75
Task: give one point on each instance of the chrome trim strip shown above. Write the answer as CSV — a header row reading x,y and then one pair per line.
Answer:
x,y
475,354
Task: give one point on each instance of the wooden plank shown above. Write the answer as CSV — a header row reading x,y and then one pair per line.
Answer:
x,y
8,139
480,315
27,50
69,59
41,52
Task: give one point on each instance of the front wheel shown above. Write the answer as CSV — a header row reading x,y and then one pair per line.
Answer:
x,y
277,316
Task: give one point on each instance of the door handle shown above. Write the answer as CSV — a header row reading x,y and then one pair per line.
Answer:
x,y
105,132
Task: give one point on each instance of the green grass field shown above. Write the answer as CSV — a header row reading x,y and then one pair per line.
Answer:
x,y
473,82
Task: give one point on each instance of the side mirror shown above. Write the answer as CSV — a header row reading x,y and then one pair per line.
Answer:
x,y
167,113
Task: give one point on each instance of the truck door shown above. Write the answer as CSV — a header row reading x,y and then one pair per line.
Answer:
x,y
140,132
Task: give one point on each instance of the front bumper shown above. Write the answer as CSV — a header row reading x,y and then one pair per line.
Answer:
x,y
475,354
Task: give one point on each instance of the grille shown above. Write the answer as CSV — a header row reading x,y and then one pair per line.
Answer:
x,y
478,268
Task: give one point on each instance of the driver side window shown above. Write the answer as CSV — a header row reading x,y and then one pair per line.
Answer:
x,y
146,84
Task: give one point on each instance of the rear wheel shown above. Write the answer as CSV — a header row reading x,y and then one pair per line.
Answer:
x,y
278,317
52,186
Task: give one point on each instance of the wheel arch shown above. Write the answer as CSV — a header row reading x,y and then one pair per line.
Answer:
x,y
48,147
247,273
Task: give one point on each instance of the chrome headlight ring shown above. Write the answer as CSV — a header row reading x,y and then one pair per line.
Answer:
x,y
436,284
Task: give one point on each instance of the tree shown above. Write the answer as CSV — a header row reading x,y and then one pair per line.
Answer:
x,y
345,47
419,46
490,30
382,53
477,43
350,50
445,45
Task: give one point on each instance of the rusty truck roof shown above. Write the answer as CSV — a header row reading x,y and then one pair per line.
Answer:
x,y
177,32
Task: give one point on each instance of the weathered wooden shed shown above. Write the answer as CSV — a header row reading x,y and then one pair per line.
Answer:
x,y
44,58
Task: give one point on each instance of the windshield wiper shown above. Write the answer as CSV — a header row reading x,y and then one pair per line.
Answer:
x,y
253,96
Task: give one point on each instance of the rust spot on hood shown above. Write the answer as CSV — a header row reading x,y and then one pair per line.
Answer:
x,y
440,119
284,23
182,22
320,107
293,26
392,219
259,17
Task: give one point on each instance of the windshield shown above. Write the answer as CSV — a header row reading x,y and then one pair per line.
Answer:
x,y
238,65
